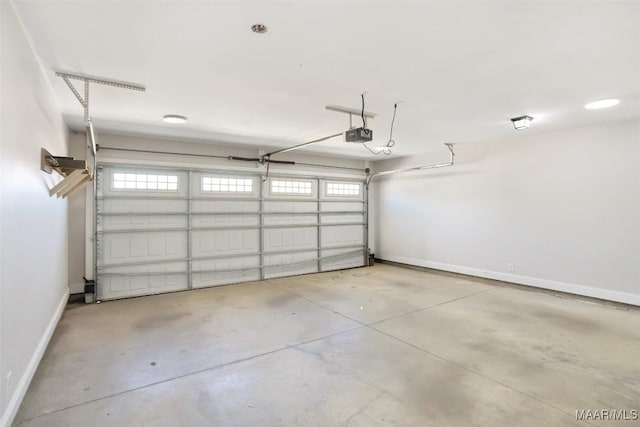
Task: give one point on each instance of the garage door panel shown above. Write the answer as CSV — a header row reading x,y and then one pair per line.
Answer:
x,y
142,247
334,259
113,287
299,263
284,219
225,242
134,280
225,220
342,218
205,280
128,205
342,235
214,205
218,271
289,206
342,206
148,268
151,222
290,238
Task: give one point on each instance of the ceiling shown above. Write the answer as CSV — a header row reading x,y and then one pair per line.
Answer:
x,y
460,70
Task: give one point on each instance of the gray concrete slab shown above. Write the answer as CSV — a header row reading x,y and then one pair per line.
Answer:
x,y
570,353
425,349
358,378
372,295
104,349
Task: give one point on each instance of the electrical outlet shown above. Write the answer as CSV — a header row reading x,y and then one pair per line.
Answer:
x,y
510,267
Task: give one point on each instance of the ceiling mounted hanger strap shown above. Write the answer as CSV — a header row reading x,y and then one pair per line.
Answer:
x,y
84,101
452,155
101,80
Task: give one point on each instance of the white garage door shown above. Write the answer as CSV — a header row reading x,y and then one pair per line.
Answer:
x,y
163,230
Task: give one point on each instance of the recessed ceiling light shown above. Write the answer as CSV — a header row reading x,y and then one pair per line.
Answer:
x,y
259,28
603,103
174,119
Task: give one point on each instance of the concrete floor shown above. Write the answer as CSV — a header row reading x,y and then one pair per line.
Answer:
x,y
364,347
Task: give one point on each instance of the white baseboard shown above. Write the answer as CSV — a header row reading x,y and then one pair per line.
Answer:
x,y
27,376
76,288
553,285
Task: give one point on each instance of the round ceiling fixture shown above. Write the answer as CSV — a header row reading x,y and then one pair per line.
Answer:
x,y
603,103
174,119
259,28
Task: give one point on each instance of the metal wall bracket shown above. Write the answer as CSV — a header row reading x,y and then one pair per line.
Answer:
x,y
74,172
63,165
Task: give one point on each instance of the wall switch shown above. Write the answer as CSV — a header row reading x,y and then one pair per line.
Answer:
x,y
510,267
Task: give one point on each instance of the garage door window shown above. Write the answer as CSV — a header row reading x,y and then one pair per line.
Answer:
x,y
124,181
342,189
291,187
220,184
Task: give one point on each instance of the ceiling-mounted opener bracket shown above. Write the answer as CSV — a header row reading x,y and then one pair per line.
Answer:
x,y
351,112
84,100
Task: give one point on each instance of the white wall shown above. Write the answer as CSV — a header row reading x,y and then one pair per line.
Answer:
x,y
33,227
562,207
